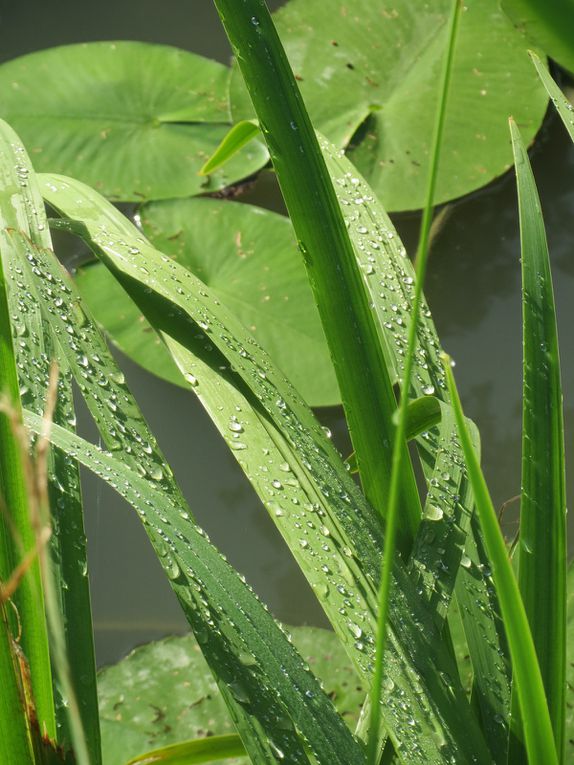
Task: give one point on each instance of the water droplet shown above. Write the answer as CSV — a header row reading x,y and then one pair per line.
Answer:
x,y
434,513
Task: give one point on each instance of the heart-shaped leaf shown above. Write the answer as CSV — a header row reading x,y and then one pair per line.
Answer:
x,y
372,58
135,121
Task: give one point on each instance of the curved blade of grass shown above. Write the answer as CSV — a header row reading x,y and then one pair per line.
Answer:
x,y
35,347
349,324
237,137
17,528
339,554
261,668
194,752
392,527
543,545
563,106
527,678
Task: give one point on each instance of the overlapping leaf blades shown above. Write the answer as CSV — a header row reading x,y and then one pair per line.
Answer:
x,y
320,501
235,611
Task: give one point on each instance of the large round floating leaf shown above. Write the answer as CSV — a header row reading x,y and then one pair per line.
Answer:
x,y
164,692
135,121
384,59
249,259
549,24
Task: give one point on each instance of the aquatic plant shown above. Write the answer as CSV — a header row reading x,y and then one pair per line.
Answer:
x,y
411,581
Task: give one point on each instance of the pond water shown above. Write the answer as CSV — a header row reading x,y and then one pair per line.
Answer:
x,y
473,288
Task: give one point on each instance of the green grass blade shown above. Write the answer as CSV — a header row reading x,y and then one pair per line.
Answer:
x,y
17,529
349,324
339,550
563,106
240,640
194,752
543,544
392,527
527,678
35,347
237,137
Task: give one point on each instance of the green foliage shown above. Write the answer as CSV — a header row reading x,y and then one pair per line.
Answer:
x,y
156,116
181,700
543,547
380,64
549,25
212,295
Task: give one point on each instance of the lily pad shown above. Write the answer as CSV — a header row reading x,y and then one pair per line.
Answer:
x,y
249,259
549,24
136,121
384,60
164,692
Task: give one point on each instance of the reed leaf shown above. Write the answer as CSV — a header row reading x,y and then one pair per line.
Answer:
x,y
527,679
542,543
35,347
389,278
350,328
46,285
562,104
18,530
238,136
194,752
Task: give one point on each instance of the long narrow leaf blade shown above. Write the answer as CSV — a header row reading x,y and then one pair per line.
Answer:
x,y
526,672
35,347
17,531
348,321
389,278
45,284
543,550
563,106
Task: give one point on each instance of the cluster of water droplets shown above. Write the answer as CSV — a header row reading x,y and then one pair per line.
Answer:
x,y
388,274
280,479
438,549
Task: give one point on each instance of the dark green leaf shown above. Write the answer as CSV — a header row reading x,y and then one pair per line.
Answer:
x,y
562,104
542,542
527,679
206,341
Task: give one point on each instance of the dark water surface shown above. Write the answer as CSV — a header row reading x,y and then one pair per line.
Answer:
x,y
473,288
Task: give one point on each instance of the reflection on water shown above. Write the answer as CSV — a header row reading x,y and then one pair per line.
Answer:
x,y
473,289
